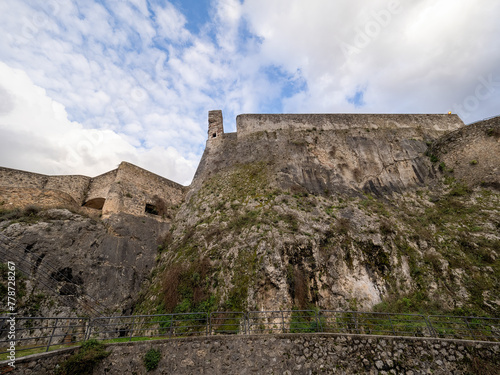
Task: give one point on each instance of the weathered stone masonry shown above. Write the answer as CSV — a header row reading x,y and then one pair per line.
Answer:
x,y
388,153
289,354
318,153
127,189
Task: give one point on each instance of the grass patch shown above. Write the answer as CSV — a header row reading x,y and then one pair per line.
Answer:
x,y
29,214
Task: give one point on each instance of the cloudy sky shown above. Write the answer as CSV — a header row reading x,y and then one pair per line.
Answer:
x,y
85,84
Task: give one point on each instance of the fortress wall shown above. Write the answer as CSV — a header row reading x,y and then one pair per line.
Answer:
x,y
100,185
15,177
20,197
150,183
134,187
250,123
75,186
127,189
321,153
472,152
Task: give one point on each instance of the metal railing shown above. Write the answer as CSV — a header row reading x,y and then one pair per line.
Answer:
x,y
40,334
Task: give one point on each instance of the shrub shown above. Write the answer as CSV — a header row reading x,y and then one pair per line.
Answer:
x,y
30,211
493,132
83,362
10,214
186,287
151,359
343,225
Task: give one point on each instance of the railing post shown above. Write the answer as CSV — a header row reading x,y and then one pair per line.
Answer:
x,y
88,330
469,328
432,331
392,327
132,328
318,326
320,321
171,325
244,323
52,335
282,321
209,325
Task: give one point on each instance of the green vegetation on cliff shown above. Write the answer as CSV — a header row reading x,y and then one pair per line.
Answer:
x,y
242,244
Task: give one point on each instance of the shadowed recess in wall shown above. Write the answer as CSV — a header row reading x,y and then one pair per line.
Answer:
x,y
96,203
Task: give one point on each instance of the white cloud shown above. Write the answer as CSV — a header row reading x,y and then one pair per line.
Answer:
x,y
132,74
419,56
37,136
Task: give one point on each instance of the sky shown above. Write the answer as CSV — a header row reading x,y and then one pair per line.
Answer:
x,y
86,84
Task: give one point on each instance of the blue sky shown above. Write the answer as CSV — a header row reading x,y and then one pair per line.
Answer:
x,y
86,84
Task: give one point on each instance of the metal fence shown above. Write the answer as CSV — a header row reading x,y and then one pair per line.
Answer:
x,y
41,334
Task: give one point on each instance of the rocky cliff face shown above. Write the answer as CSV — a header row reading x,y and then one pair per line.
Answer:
x,y
393,218
322,154
78,265
343,219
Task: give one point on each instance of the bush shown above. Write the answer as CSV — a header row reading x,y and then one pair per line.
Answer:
x,y
29,214
83,362
151,359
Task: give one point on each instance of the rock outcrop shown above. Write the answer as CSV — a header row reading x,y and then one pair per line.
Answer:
x,y
329,212
386,212
79,265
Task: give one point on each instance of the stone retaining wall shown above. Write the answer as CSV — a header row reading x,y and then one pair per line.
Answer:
x,y
290,354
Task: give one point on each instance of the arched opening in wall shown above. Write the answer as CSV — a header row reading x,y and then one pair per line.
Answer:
x,y
152,209
96,203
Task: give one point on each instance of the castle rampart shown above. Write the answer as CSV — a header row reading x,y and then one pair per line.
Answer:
x,y
73,185
136,190
378,153
251,123
99,186
127,189
360,151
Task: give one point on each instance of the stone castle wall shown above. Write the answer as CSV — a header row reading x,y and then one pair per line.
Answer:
x,y
471,153
135,187
99,186
323,153
289,354
126,189
75,186
376,152
18,197
251,123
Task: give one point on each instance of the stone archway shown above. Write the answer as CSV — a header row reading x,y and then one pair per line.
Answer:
x,y
95,203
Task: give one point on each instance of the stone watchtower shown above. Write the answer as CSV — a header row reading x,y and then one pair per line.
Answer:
x,y
215,127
